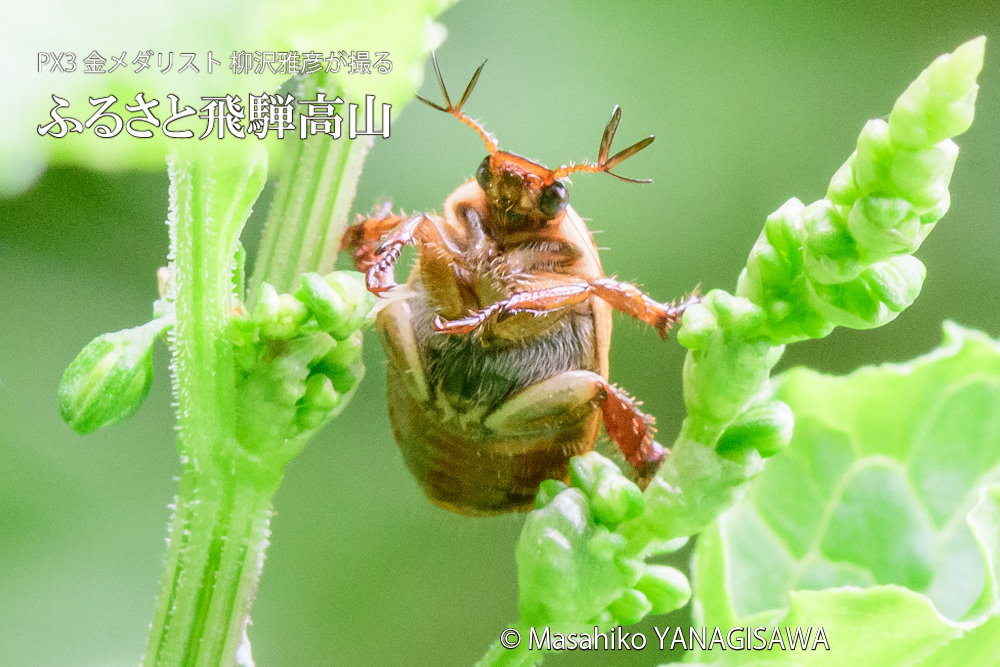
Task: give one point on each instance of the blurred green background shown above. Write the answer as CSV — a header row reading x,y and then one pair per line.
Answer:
x,y
751,103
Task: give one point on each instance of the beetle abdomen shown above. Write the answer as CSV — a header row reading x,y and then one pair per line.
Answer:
x,y
460,463
469,471
470,374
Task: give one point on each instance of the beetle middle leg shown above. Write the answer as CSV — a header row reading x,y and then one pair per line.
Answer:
x,y
564,397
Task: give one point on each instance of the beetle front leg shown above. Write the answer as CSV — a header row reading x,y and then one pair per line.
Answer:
x,y
379,277
538,303
363,237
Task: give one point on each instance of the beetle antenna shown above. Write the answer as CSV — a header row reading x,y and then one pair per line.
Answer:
x,y
456,110
604,163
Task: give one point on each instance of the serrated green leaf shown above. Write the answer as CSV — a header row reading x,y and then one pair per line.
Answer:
x,y
880,522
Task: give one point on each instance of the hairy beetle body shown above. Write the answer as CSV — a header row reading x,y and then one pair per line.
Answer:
x,y
443,388
498,346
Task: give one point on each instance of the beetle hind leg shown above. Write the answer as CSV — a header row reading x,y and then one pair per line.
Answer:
x,y
632,432
566,398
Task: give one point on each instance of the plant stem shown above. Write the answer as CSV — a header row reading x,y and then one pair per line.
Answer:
x,y
316,187
217,544
220,525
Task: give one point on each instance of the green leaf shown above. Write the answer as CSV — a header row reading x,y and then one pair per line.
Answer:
x,y
879,522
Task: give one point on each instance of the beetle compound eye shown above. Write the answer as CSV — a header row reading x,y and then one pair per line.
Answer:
x,y
552,200
483,174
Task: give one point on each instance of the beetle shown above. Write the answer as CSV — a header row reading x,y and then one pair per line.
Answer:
x,y
498,344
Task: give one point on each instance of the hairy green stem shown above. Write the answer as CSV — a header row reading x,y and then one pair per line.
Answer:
x,y
217,544
219,528
315,191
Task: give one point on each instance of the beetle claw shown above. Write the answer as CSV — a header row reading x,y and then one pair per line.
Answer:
x,y
454,327
379,280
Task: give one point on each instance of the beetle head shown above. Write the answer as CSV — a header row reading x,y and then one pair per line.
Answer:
x,y
520,193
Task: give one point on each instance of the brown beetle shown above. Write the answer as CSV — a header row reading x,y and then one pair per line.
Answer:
x,y
498,345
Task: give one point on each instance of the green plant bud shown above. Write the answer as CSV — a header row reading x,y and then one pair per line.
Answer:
x,y
560,576
766,427
735,314
267,304
778,286
350,285
604,544
769,277
326,304
548,490
697,325
266,403
309,349
831,255
586,469
936,212
345,378
774,271
923,176
803,322
317,403
885,226
896,282
941,102
344,353
851,305
632,569
278,316
108,381
784,230
615,498
884,212
270,399
775,260
873,161
242,333
666,589
720,377
749,285
843,190
631,607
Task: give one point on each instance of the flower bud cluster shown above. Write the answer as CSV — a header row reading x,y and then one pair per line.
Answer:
x,y
846,260
298,357
572,565
727,366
